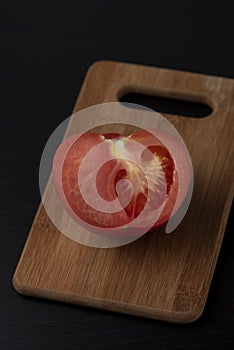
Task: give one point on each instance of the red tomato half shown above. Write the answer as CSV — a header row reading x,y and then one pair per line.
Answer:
x,y
146,175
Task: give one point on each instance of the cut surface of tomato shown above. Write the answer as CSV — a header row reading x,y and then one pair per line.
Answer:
x,y
124,178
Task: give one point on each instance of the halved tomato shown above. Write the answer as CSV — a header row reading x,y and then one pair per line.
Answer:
x,y
122,185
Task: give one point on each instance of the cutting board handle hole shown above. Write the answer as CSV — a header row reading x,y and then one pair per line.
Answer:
x,y
168,105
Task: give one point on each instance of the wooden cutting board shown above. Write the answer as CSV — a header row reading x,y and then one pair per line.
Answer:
x,y
159,276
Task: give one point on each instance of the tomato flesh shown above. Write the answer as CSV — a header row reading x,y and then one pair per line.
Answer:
x,y
156,163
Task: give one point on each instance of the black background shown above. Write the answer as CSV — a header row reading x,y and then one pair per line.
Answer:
x,y
46,48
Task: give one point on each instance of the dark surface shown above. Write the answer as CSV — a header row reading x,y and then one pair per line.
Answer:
x,y
46,49
167,105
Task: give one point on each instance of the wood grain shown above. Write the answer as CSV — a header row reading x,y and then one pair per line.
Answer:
x,y
159,276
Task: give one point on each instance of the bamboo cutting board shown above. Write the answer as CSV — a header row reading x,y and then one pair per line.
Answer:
x,y
159,276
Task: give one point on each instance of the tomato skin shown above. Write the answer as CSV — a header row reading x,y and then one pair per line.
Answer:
x,y
72,152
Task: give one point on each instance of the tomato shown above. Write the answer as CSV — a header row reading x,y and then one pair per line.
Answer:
x,y
122,185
